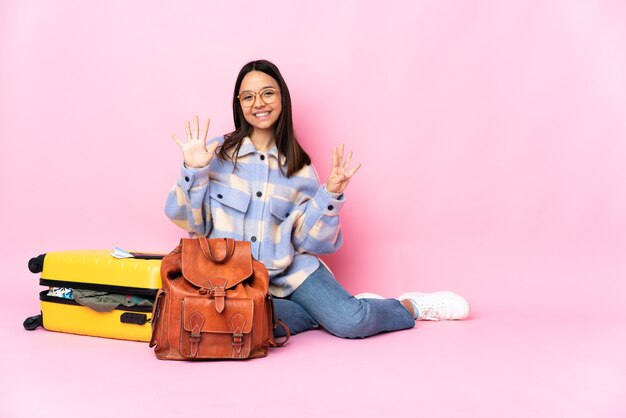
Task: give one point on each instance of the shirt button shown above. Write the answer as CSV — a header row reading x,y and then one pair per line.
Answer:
x,y
259,194
262,157
219,196
331,207
253,239
186,178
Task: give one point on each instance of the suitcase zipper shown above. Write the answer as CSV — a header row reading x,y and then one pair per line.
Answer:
x,y
135,291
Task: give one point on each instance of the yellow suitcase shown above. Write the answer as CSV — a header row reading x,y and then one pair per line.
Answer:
x,y
96,270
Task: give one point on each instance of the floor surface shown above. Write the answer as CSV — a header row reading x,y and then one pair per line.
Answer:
x,y
499,363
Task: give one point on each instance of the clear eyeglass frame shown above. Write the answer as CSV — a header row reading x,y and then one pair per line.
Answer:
x,y
248,98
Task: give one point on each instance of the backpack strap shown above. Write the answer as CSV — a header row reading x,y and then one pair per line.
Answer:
x,y
287,333
156,312
275,323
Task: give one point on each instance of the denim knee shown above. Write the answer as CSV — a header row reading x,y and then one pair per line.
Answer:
x,y
351,321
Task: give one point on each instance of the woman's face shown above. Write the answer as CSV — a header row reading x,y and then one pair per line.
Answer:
x,y
254,93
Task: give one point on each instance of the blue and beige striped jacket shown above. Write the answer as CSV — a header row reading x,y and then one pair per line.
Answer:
x,y
287,220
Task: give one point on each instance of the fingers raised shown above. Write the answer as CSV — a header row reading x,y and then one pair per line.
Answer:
x,y
187,130
354,170
335,158
196,127
346,164
205,129
178,141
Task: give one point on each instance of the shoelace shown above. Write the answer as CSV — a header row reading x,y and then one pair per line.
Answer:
x,y
429,314
432,312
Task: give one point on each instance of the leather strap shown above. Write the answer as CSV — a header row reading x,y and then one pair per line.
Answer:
x,y
196,320
156,313
287,333
238,321
219,293
275,323
206,248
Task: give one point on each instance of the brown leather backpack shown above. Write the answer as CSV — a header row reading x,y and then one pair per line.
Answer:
x,y
213,304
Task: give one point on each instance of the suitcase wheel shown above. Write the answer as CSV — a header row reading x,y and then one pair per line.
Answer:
x,y
35,264
33,322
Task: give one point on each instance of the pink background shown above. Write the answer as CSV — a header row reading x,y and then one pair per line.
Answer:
x,y
492,137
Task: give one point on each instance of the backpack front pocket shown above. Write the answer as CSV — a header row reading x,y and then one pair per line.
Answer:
x,y
207,333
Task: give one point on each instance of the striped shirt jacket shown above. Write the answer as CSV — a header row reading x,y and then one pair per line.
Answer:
x,y
287,220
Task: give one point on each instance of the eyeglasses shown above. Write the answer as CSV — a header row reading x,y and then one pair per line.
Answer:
x,y
268,95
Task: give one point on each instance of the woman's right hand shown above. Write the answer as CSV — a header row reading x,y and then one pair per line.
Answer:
x,y
195,152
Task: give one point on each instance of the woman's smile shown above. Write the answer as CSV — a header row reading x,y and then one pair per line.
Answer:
x,y
262,115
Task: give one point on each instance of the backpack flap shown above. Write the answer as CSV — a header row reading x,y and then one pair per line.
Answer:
x,y
224,260
208,333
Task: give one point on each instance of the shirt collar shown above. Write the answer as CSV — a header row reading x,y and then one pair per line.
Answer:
x,y
247,147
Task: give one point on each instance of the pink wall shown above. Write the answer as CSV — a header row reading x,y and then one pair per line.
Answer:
x,y
492,135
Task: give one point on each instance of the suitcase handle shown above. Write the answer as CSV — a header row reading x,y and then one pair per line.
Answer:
x,y
133,318
147,256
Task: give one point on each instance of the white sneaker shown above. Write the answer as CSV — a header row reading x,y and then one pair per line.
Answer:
x,y
368,296
438,305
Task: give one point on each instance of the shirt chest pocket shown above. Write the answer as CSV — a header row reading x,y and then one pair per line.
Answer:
x,y
228,209
281,208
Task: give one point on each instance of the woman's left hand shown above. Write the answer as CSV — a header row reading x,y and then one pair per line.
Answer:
x,y
339,174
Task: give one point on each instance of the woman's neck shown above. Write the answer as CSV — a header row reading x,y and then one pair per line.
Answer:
x,y
263,140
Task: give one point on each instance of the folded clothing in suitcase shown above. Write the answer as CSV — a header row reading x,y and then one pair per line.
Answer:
x,y
134,280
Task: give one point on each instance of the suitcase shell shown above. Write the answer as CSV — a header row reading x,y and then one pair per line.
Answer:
x,y
97,270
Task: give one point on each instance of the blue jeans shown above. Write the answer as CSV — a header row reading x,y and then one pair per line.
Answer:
x,y
322,301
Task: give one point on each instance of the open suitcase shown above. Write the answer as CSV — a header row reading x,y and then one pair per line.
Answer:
x,y
137,278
